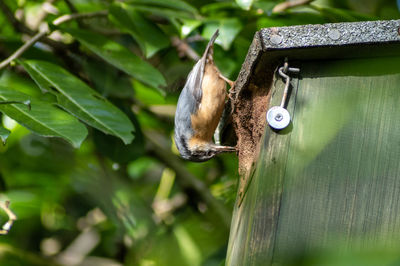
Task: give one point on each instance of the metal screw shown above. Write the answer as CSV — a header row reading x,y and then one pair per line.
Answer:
x,y
279,117
334,34
276,39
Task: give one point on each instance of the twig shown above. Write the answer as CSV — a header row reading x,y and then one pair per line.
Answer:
x,y
194,38
43,33
70,17
23,48
71,6
11,217
289,4
74,10
22,28
184,49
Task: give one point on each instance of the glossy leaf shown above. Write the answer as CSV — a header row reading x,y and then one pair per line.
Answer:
x,y
228,29
80,100
149,36
43,118
4,133
245,4
120,57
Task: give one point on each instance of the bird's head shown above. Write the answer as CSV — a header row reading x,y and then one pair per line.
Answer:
x,y
199,152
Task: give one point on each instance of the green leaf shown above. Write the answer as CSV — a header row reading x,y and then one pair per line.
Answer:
x,y
188,25
107,80
4,133
120,57
245,4
114,149
146,95
80,100
170,4
43,118
150,37
166,13
228,29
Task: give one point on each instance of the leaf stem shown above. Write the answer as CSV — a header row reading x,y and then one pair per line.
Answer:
x,y
74,16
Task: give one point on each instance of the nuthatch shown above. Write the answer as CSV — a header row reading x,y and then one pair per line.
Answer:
x,y
199,109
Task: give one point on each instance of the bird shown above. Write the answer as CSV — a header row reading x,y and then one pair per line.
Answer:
x,y
199,109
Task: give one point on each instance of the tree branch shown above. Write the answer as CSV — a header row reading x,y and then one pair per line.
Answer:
x,y
41,34
184,49
23,48
289,4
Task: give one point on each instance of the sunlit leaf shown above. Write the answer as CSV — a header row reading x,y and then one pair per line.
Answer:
x,y
188,26
80,100
228,29
149,36
120,57
245,4
4,133
43,118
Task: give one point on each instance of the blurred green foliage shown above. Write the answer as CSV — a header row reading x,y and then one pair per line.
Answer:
x,y
112,79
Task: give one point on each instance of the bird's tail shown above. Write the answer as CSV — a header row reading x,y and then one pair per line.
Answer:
x,y
209,49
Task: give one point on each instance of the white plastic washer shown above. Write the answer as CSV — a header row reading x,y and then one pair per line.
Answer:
x,y
278,117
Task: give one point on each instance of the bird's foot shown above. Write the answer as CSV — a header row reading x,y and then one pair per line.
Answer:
x,y
230,82
224,148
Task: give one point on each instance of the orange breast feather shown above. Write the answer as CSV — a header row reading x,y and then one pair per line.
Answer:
x,y
205,120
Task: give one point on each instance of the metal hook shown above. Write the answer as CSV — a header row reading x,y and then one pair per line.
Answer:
x,y
278,117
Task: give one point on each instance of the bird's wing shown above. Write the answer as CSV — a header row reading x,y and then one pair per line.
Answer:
x,y
195,78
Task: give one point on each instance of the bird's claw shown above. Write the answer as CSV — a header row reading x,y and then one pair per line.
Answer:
x,y
230,82
225,149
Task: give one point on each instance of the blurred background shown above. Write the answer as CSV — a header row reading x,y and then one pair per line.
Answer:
x,y
107,203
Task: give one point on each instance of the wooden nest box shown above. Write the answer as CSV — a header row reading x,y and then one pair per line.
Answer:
x,y
329,183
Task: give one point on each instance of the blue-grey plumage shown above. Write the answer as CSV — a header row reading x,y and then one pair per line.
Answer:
x,y
199,109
